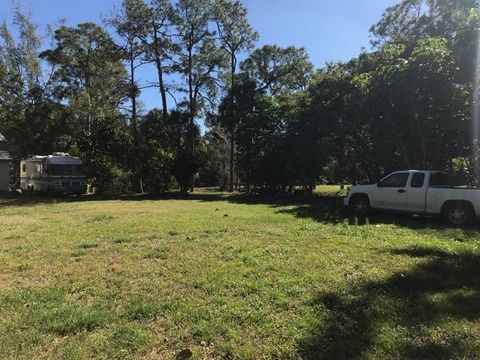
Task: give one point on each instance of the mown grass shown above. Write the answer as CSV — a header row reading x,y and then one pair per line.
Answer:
x,y
232,277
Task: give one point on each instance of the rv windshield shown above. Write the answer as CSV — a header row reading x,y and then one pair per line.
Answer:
x,y
65,170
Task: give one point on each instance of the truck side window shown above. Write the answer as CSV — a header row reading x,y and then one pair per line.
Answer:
x,y
417,180
439,180
395,180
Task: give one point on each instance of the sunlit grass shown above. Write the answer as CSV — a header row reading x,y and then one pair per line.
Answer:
x,y
331,190
232,278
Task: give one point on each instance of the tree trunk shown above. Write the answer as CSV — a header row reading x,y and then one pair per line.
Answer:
x,y
232,154
233,65
133,97
163,92
422,140
158,63
192,109
192,145
471,173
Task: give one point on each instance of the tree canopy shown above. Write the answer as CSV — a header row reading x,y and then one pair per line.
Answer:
x,y
273,122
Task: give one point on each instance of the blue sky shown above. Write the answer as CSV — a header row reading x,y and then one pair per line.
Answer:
x,y
330,30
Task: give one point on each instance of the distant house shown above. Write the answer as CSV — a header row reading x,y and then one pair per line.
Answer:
x,y
5,160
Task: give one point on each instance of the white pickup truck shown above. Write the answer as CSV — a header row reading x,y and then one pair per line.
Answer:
x,y
418,192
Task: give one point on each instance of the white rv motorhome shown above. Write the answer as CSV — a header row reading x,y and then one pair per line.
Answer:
x,y
57,173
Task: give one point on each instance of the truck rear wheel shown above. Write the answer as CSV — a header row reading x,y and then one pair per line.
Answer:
x,y
458,213
360,205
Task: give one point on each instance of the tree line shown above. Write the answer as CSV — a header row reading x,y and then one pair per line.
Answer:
x,y
274,122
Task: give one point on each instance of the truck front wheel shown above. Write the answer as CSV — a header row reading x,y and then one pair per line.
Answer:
x,y
458,213
360,205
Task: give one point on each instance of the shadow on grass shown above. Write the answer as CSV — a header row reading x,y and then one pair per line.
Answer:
x,y
321,208
205,195
429,312
330,210
39,199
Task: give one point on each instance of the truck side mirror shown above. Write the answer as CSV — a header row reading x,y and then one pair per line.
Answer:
x,y
379,184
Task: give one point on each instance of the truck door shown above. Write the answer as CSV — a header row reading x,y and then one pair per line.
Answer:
x,y
416,192
391,192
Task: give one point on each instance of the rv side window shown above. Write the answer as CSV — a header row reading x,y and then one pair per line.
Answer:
x,y
55,169
64,170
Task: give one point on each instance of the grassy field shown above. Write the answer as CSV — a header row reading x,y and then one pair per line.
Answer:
x,y
230,277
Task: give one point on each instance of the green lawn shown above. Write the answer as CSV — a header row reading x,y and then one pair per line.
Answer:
x,y
231,277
